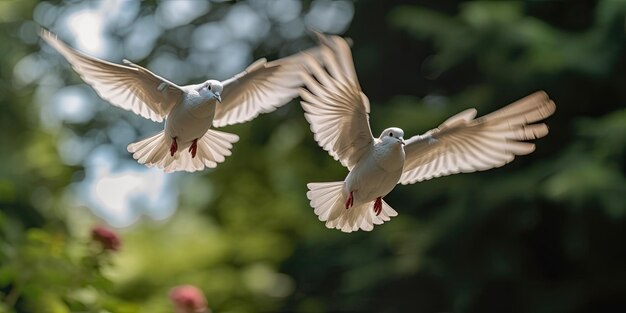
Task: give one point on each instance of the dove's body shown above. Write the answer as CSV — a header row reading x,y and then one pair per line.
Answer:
x,y
356,203
190,119
338,112
376,173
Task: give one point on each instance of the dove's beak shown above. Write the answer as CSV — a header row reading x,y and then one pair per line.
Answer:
x,y
218,97
401,141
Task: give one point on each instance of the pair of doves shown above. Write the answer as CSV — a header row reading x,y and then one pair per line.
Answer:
x,y
338,112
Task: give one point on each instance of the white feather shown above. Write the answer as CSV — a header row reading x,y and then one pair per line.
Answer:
x,y
213,147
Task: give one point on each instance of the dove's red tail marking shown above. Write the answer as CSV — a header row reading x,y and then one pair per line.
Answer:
x,y
173,147
330,201
378,206
350,201
193,148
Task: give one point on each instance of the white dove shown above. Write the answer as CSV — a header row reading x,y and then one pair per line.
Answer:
x,y
338,111
189,110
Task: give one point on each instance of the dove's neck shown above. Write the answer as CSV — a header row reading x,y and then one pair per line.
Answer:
x,y
389,156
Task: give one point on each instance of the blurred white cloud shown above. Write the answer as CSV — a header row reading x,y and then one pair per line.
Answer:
x,y
73,148
330,16
168,65
292,29
283,10
86,26
175,13
141,40
246,23
210,36
122,194
45,14
71,104
29,69
231,59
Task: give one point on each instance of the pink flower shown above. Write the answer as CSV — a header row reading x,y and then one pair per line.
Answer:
x,y
106,237
188,299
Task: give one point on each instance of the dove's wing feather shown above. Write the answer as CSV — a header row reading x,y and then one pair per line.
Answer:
x,y
334,104
261,88
342,68
132,87
463,144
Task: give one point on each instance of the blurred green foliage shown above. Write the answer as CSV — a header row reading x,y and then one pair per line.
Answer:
x,y
542,234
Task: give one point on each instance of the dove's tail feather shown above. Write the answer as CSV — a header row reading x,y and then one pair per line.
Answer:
x,y
329,200
213,147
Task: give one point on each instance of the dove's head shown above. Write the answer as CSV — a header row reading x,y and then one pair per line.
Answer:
x,y
212,89
392,135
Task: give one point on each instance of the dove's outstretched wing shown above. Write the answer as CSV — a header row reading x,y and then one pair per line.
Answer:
x,y
131,87
261,88
334,104
463,144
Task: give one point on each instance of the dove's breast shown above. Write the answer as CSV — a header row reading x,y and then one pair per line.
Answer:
x,y
375,175
190,119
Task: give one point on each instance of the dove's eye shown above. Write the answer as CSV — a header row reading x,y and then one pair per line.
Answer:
x,y
209,86
390,134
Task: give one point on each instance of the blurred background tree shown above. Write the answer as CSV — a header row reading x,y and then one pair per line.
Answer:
x,y
542,234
